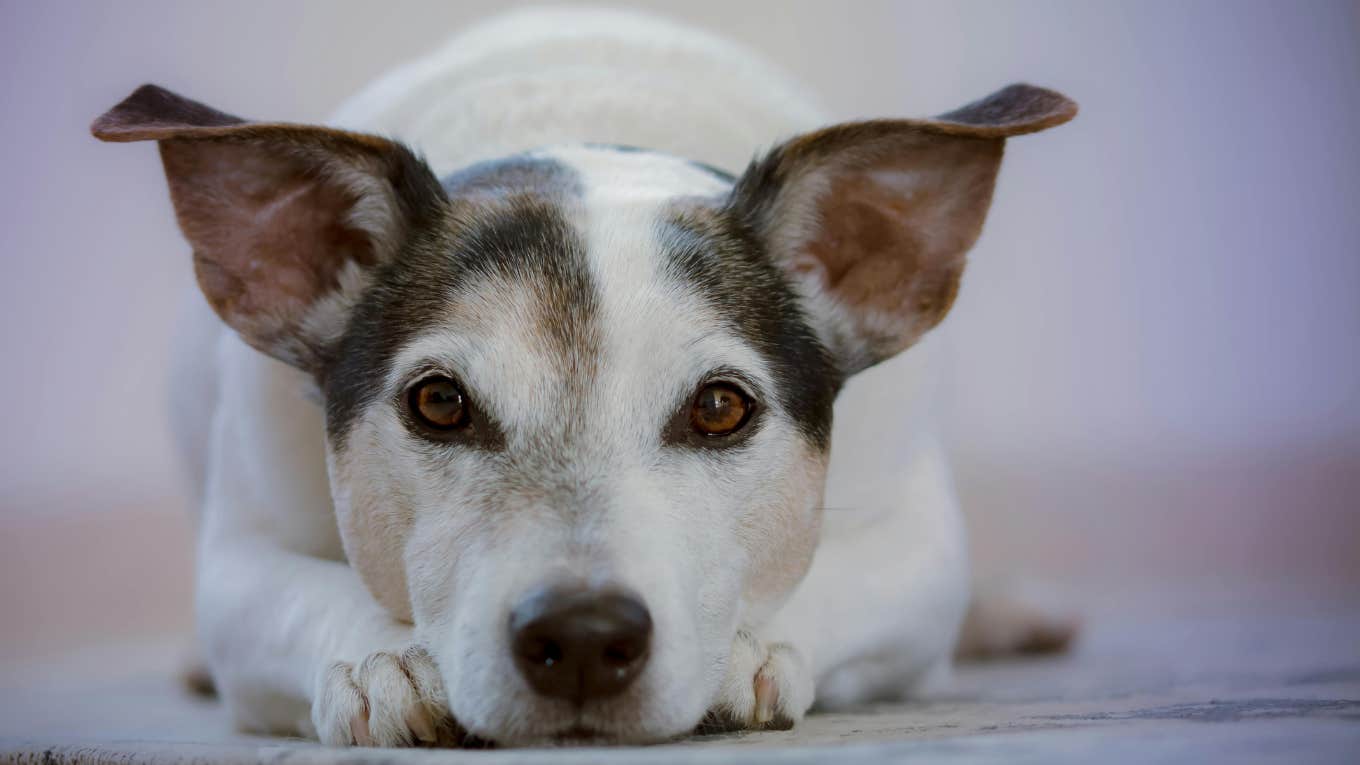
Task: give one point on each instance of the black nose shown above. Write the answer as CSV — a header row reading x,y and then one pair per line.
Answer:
x,y
580,644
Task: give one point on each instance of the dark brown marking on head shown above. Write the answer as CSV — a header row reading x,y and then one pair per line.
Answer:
x,y
725,264
507,222
520,174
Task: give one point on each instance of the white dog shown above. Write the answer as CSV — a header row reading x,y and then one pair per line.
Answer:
x,y
540,452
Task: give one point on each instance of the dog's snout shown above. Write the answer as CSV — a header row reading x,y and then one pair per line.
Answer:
x,y
580,645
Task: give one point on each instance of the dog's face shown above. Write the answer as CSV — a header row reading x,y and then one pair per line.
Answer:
x,y
578,401
582,377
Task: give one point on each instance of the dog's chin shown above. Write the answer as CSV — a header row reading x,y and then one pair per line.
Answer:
x,y
576,734
583,736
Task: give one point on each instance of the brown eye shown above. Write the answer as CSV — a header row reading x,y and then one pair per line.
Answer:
x,y
438,403
719,409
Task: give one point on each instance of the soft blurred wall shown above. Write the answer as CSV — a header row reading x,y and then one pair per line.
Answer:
x,y
1153,364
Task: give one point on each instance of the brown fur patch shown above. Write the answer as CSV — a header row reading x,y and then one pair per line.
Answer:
x,y
781,539
897,254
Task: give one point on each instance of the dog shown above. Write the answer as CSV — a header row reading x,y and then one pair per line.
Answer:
x,y
526,439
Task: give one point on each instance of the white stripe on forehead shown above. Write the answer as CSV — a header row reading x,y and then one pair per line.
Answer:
x,y
618,174
645,312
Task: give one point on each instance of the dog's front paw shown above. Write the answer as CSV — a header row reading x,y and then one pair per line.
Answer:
x,y
388,699
767,687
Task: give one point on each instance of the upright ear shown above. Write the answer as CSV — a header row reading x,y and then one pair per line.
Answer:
x,y
873,219
286,221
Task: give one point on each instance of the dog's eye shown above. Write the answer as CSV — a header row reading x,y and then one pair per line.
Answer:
x,y
719,409
438,403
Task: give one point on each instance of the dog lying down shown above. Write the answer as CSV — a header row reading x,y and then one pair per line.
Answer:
x,y
528,441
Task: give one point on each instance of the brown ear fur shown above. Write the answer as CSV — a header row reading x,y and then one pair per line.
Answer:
x,y
279,215
877,216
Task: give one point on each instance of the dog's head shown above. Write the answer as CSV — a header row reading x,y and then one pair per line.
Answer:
x,y
578,401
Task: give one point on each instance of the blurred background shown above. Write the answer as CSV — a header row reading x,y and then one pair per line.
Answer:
x,y
1153,381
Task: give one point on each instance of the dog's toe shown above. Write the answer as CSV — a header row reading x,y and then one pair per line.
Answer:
x,y
388,699
768,687
783,688
340,712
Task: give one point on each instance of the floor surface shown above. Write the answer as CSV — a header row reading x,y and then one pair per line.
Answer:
x,y
1187,688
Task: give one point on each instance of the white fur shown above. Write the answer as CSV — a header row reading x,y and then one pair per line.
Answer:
x,y
279,609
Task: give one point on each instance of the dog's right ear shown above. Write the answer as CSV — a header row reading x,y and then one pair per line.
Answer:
x,y
286,221
873,220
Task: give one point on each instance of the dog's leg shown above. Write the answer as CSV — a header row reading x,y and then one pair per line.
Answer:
x,y
297,645
892,592
295,642
1007,618
275,622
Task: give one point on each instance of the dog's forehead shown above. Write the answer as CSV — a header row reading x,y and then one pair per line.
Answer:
x,y
611,175
579,281
592,325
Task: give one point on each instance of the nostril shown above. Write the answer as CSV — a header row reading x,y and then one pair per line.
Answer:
x,y
623,651
580,645
541,651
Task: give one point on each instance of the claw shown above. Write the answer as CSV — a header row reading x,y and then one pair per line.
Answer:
x,y
419,723
358,726
767,698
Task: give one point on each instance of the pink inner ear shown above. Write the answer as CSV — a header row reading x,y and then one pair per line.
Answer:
x,y
270,236
875,242
892,237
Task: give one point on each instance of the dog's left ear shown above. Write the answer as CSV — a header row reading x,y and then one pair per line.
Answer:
x,y
287,222
873,219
